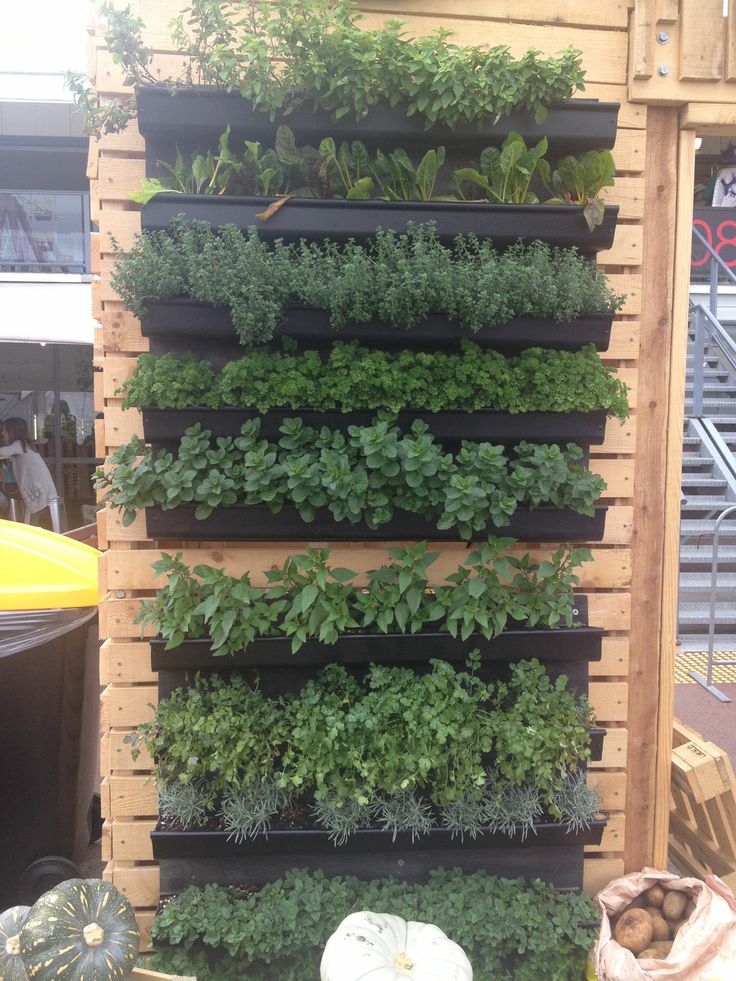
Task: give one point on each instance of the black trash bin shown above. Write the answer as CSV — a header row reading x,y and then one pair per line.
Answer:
x,y
41,694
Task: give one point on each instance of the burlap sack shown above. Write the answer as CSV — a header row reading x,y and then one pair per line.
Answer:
x,y
704,948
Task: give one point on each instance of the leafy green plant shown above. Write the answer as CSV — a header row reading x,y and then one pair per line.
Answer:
x,y
205,174
328,61
505,174
512,929
395,279
354,378
397,743
364,476
580,180
308,599
400,180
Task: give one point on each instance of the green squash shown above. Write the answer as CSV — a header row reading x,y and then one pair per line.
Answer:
x,y
11,963
81,930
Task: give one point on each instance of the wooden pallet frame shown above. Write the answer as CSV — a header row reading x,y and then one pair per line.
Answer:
x,y
702,807
641,467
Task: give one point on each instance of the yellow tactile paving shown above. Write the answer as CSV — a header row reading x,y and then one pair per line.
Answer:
x,y
698,661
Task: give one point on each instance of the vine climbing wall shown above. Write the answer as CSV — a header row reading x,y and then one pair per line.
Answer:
x,y
626,583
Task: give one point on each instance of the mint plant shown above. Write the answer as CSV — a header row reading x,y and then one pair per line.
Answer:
x,y
308,599
366,475
328,61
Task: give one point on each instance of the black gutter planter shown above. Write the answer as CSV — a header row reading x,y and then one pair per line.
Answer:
x,y
566,644
165,427
215,844
257,523
197,858
181,323
340,220
197,115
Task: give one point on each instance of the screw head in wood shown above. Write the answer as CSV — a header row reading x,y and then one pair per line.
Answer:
x,y
664,70
662,37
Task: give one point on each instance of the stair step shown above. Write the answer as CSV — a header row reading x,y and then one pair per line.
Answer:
x,y
710,483
699,642
692,554
701,580
704,527
713,406
712,389
696,462
696,613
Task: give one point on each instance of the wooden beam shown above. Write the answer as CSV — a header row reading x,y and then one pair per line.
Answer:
x,y
651,456
673,477
701,40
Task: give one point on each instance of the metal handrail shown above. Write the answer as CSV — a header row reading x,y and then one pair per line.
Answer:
x,y
707,326
714,662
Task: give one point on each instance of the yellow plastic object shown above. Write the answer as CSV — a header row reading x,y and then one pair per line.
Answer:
x,y
40,570
590,974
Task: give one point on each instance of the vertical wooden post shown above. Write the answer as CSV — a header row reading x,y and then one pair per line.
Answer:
x,y
660,195
673,480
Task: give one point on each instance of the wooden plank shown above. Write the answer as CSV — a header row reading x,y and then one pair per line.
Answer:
x,y
129,705
119,225
122,754
642,40
624,342
133,797
119,177
598,872
131,570
125,662
614,662
628,284
613,836
610,610
673,476
132,840
614,751
654,364
626,249
701,40
730,66
713,118
609,700
629,151
140,883
608,14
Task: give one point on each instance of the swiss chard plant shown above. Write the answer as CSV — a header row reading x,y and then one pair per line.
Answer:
x,y
580,180
505,174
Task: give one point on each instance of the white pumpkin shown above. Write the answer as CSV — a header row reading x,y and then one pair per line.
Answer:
x,y
386,948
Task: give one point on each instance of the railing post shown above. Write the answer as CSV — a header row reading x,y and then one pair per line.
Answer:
x,y
713,292
698,362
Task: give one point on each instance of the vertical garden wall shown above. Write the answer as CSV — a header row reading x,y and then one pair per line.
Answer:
x,y
623,582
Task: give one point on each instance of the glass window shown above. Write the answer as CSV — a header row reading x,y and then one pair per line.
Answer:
x,y
43,231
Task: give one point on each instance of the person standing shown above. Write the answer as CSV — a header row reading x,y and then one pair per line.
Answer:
x,y
35,484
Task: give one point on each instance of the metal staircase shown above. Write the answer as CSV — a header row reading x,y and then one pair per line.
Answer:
x,y
707,607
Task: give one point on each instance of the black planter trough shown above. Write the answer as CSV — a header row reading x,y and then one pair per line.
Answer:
x,y
180,323
197,116
165,427
565,644
340,220
257,523
197,858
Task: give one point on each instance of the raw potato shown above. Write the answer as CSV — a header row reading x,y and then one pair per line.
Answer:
x,y
660,928
649,952
654,896
634,930
653,911
663,947
674,905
